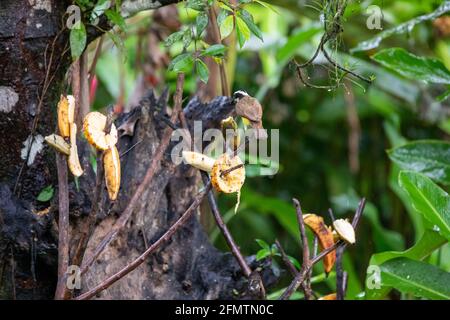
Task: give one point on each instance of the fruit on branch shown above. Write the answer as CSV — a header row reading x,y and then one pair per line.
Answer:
x,y
94,124
331,296
227,173
111,165
325,236
230,133
73,160
58,143
344,230
66,114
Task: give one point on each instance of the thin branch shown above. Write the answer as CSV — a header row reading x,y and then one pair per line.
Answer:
x,y
138,261
63,226
286,260
126,214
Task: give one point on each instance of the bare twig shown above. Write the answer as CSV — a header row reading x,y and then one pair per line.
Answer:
x,y
286,260
340,286
217,40
138,261
306,256
126,214
63,226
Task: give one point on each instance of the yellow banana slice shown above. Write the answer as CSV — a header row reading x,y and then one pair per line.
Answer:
x,y
72,160
111,164
94,130
227,182
345,230
58,143
66,114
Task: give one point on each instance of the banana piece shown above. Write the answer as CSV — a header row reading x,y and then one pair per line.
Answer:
x,y
331,296
325,236
231,182
345,230
72,160
94,130
66,114
58,143
198,160
111,164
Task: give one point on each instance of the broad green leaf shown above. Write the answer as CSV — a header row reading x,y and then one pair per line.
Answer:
x,y
201,22
301,36
429,199
226,27
261,254
174,37
198,5
267,5
263,244
419,278
116,18
430,241
242,31
182,63
202,70
405,27
413,67
430,157
46,194
216,50
77,40
187,38
248,19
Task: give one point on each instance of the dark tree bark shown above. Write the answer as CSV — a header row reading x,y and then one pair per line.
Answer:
x,y
33,51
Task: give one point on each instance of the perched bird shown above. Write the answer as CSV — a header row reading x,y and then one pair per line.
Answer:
x,y
249,108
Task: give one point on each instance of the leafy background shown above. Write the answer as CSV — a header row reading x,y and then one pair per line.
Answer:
x,y
406,224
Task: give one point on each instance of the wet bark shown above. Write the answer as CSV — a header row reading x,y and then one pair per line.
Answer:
x,y
187,267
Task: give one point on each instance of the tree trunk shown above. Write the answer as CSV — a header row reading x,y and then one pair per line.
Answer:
x,y
33,56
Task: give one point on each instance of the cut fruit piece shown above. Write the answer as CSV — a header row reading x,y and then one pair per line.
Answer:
x,y
325,236
331,296
73,161
228,182
111,164
198,160
58,143
94,130
66,114
345,230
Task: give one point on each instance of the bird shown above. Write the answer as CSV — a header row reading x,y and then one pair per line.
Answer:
x,y
249,108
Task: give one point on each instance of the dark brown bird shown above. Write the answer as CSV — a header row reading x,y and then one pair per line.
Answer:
x,y
249,108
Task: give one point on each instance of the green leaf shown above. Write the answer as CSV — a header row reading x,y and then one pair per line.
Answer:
x,y
405,27
419,278
216,50
116,18
202,70
429,199
242,31
46,194
295,262
248,19
77,40
413,67
267,5
198,5
261,254
174,37
187,38
99,9
182,63
223,14
430,241
301,36
201,22
430,157
226,27
263,244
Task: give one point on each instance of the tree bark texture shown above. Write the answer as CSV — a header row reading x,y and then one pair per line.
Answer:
x,y
186,267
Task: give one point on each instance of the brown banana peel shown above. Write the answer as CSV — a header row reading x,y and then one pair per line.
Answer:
x,y
325,236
